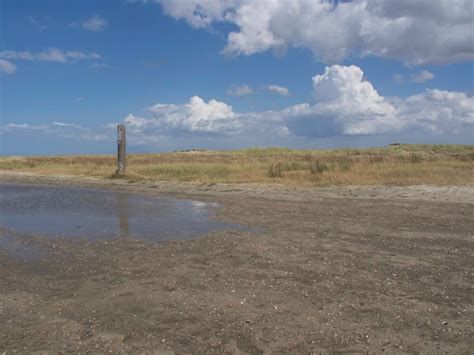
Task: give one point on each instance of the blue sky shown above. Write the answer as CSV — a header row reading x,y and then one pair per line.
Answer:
x,y
215,74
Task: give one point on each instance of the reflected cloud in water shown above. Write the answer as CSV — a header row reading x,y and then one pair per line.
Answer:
x,y
103,214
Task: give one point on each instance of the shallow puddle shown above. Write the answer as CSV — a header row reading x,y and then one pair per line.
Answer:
x,y
103,214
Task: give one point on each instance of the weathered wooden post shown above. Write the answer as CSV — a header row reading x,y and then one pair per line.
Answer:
x,y
121,150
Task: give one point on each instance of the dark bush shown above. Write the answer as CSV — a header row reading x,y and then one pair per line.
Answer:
x,y
344,165
275,170
318,167
416,158
376,158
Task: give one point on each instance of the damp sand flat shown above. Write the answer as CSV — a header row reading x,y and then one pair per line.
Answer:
x,y
364,273
102,214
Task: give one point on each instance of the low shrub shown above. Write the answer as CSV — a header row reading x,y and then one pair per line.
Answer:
x,y
416,158
275,170
344,165
318,167
376,158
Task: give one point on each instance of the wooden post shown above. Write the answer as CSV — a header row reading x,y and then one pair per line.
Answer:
x,y
121,150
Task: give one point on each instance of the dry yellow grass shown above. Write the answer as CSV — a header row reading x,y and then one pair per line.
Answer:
x,y
395,165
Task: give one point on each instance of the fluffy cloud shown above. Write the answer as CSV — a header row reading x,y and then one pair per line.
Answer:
x,y
351,103
11,127
357,106
438,111
196,116
81,55
95,24
421,77
280,90
69,125
7,67
50,55
198,13
57,129
239,91
416,32
345,104
16,55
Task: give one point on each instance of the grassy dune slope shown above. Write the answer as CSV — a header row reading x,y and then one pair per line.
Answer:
x,y
395,165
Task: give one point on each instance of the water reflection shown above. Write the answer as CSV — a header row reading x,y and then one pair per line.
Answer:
x,y
101,214
123,214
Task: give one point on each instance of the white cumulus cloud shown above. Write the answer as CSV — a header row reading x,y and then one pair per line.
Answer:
x,y
16,55
345,104
136,122
343,96
280,90
239,91
7,67
50,55
438,111
349,105
195,116
422,76
11,127
415,32
95,24
57,129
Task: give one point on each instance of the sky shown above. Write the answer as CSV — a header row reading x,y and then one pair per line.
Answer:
x,y
228,74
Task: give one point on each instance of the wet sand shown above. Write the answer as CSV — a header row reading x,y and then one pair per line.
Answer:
x,y
332,270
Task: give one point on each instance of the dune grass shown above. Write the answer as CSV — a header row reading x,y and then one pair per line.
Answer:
x,y
394,165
